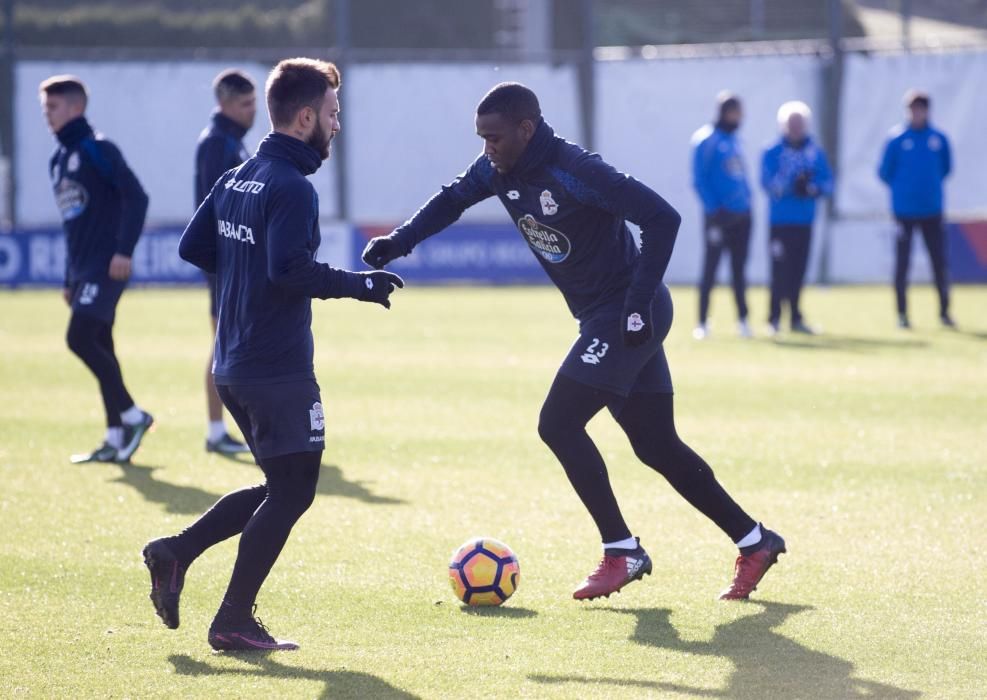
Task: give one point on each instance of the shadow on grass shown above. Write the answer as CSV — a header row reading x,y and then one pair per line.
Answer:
x,y
338,683
766,663
826,341
497,611
333,483
184,500
190,500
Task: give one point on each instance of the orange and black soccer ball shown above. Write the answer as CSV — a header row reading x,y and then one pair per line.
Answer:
x,y
484,571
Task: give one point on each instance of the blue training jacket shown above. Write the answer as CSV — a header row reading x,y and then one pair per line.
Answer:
x,y
781,167
220,148
100,199
718,171
570,207
258,230
915,163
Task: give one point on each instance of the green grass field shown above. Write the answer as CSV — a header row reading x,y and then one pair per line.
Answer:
x,y
866,448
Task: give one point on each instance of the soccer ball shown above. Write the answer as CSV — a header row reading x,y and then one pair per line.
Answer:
x,y
484,571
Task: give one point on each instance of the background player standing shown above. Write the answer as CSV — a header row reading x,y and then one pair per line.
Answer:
x,y
221,148
794,173
258,231
103,207
720,179
570,207
916,160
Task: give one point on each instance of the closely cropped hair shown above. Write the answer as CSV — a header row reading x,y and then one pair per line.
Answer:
x,y
232,83
296,83
726,101
68,85
790,108
513,100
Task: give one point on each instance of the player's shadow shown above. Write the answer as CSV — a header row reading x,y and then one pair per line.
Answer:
x,y
183,500
766,664
497,611
333,483
846,343
338,683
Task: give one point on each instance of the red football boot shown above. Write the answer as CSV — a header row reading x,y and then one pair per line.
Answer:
x,y
750,568
617,568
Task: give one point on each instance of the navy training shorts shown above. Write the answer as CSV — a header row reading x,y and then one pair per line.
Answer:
x,y
600,359
97,298
277,419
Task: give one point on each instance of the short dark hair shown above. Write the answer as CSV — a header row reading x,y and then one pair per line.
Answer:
x,y
513,100
917,97
68,85
232,82
296,83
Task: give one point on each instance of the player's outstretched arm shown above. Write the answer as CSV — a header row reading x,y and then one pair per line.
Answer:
x,y
442,210
293,217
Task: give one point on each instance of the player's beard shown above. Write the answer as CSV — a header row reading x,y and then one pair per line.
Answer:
x,y
319,140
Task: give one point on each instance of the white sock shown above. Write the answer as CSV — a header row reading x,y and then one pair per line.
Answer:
x,y
217,429
629,543
132,416
114,437
751,538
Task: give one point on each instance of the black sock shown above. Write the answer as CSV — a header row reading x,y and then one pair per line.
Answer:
x,y
291,483
228,516
562,425
649,423
92,341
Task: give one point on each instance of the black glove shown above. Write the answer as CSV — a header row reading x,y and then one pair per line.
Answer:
x,y
380,251
378,285
635,322
803,186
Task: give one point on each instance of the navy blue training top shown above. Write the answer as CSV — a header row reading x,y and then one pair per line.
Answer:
x,y
258,230
570,207
102,204
220,148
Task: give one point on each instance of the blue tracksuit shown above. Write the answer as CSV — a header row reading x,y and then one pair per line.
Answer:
x,y
915,163
100,199
220,149
782,167
570,207
258,230
718,172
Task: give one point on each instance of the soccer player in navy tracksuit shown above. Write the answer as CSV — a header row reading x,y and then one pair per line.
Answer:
x,y
794,173
103,207
719,176
258,231
220,149
916,160
570,207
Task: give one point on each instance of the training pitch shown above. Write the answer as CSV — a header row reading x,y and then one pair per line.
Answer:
x,y
865,447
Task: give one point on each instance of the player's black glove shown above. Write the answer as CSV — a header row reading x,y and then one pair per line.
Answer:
x,y
803,186
380,251
377,286
636,323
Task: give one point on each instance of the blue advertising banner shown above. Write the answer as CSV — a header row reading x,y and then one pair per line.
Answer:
x,y
37,257
476,253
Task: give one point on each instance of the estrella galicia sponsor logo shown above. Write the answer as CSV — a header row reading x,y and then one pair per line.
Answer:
x,y
550,244
71,198
236,232
317,417
248,186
